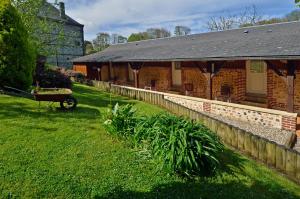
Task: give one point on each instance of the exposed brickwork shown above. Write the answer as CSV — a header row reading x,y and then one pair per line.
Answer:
x,y
120,71
104,73
234,75
289,123
277,88
192,75
207,107
80,68
297,89
160,72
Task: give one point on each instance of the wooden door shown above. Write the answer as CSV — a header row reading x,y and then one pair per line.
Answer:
x,y
176,74
256,77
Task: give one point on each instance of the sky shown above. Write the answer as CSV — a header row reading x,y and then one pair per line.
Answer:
x,y
130,16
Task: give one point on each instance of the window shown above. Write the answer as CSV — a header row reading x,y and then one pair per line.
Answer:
x,y
177,65
257,67
77,43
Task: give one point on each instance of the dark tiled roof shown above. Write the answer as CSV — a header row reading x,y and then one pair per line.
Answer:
x,y
268,41
52,12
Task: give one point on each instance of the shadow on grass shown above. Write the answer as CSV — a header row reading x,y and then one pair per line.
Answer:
x,y
205,189
89,102
14,110
92,97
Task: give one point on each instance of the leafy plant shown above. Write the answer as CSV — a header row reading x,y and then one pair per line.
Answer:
x,y
17,56
179,144
121,120
53,79
185,147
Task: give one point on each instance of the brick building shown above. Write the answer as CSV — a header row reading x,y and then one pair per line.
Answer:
x,y
258,66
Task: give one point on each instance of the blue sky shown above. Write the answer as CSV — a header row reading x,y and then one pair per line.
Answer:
x,y
128,16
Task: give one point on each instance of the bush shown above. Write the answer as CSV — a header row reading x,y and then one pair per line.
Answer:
x,y
53,79
179,144
17,57
185,147
121,120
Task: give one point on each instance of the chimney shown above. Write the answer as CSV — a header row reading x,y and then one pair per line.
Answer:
x,y
62,9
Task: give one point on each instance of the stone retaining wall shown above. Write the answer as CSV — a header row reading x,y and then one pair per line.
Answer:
x,y
270,153
254,115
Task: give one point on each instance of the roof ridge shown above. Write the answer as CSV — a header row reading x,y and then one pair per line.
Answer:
x,y
202,33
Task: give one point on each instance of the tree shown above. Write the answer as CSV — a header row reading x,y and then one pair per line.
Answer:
x,y
46,34
182,30
88,48
138,36
293,16
248,17
297,2
271,21
17,60
155,33
102,41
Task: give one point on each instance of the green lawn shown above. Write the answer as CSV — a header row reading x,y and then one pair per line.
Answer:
x,y
48,153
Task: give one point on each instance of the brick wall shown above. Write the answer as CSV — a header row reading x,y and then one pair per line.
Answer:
x,y
80,68
191,74
277,88
297,89
121,74
160,72
105,73
234,75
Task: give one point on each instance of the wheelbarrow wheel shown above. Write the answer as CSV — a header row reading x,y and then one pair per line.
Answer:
x,y
69,103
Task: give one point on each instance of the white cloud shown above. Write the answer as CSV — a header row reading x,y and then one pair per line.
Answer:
x,y
127,16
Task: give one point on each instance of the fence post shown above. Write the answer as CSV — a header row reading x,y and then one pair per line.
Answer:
x,y
291,163
262,155
280,158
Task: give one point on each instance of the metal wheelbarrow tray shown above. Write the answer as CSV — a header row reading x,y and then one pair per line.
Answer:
x,y
61,95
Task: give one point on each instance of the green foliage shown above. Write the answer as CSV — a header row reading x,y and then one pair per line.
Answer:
x,y
185,147
179,145
53,79
293,16
35,16
17,60
48,153
138,36
121,120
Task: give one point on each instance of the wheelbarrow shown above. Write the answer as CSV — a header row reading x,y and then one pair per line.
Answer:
x,y
51,95
61,95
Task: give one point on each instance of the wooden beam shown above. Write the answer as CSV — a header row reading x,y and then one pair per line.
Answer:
x,y
199,67
217,67
274,68
109,75
136,78
208,76
136,66
290,84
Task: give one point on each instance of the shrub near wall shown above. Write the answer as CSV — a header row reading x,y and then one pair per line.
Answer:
x,y
17,57
179,145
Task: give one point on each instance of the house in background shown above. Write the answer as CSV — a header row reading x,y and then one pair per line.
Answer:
x,y
257,66
67,39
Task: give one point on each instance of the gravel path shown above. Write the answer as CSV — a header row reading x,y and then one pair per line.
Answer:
x,y
279,136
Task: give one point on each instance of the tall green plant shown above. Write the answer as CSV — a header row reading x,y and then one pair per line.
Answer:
x,y
121,120
185,147
180,145
17,57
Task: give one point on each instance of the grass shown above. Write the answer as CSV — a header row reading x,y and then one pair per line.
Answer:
x,y
48,153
